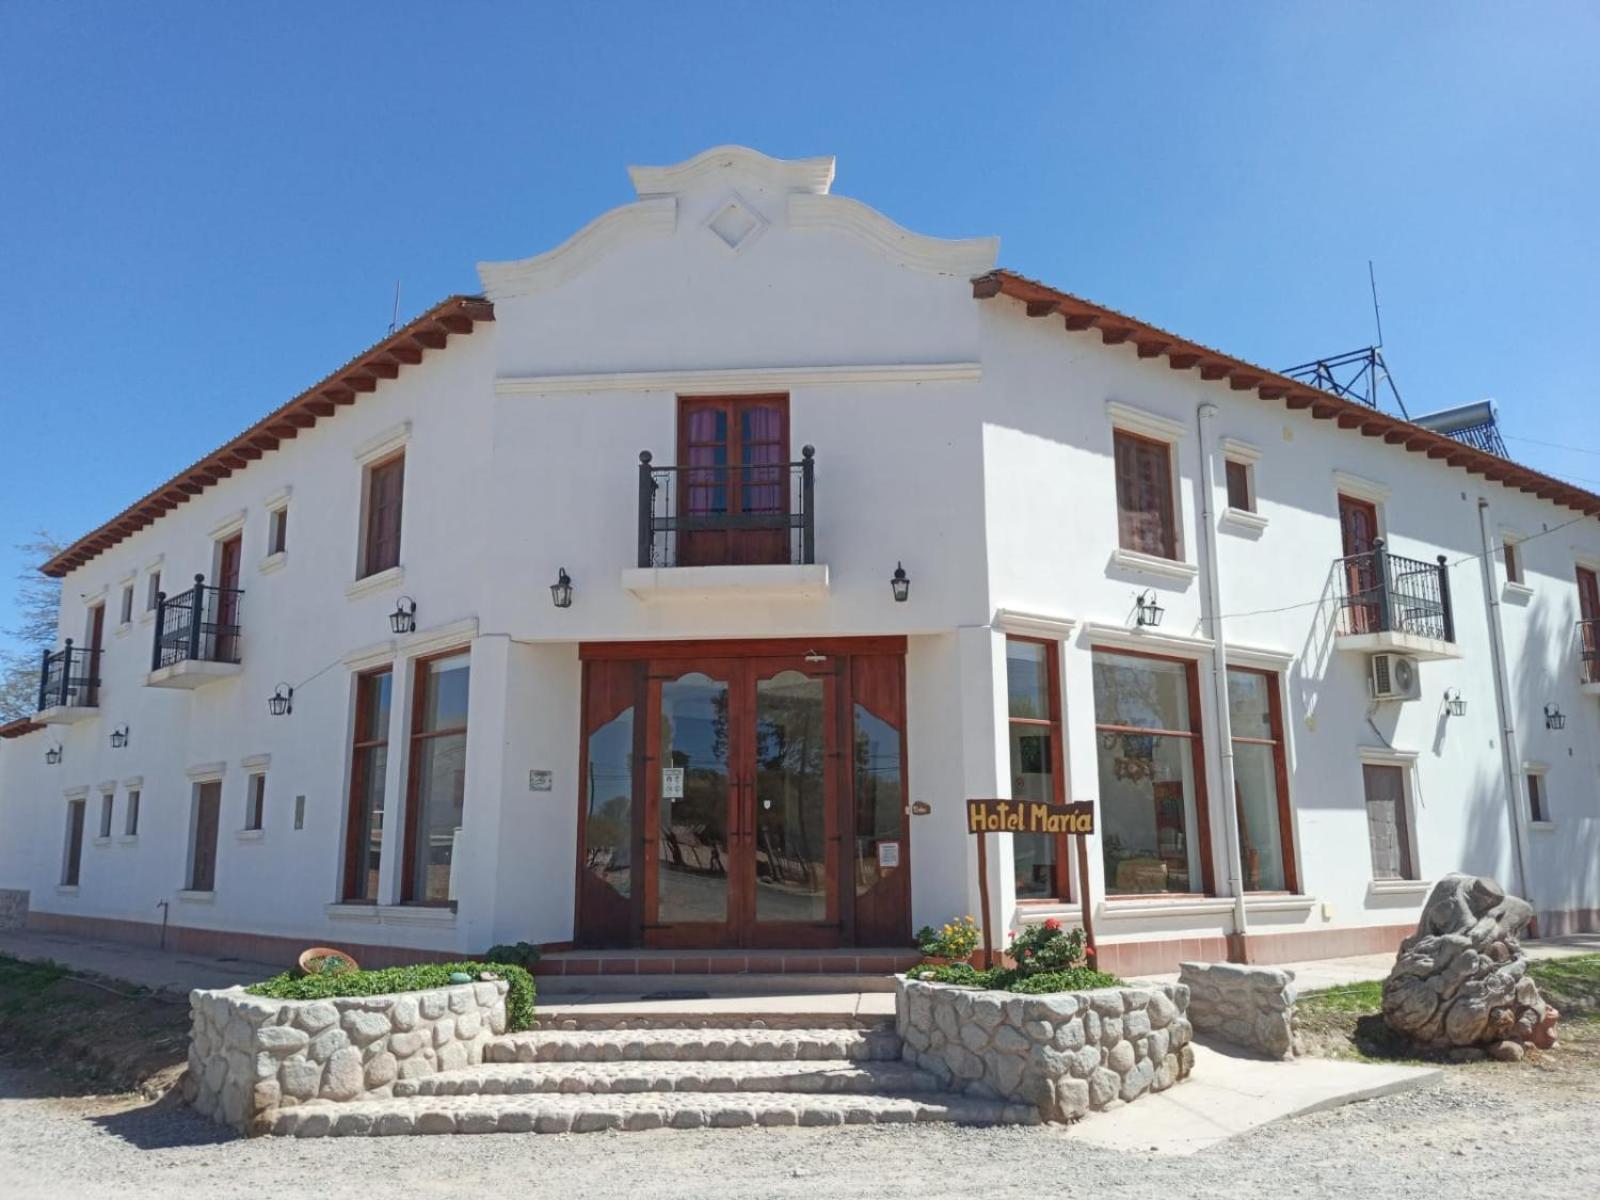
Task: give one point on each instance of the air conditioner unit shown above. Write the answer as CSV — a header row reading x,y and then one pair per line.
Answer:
x,y
1393,677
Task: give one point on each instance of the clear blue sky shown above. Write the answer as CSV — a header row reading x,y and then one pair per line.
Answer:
x,y
205,207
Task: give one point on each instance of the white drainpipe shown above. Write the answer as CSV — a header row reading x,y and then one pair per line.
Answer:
x,y
1502,700
1219,676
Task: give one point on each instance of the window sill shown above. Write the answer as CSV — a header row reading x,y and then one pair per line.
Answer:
x,y
272,562
147,617
123,630
1542,826
1133,910
66,889
249,835
368,584
1150,564
350,910
1279,903
1399,887
128,839
189,897
1242,520
418,914
102,840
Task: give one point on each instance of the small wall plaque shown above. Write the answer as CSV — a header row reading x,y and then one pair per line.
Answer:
x,y
541,781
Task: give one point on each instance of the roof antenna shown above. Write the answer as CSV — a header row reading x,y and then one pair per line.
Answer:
x,y
394,316
1376,317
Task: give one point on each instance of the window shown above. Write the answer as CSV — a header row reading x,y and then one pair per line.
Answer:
x,y
278,530
1537,807
1240,494
1388,824
1589,624
108,802
152,589
130,816
127,603
1260,781
736,487
299,812
74,853
1152,775
1146,513
255,803
1513,562
369,762
203,845
385,484
1034,729
438,779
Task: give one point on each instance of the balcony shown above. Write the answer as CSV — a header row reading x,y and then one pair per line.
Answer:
x,y
1386,602
727,530
1589,656
198,636
69,685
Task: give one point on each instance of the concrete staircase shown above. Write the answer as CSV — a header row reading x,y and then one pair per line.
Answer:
x,y
654,1071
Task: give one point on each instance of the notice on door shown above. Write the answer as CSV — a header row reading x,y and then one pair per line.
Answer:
x,y
672,783
888,855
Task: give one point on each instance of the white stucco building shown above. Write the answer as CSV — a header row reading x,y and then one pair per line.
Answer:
x,y
737,734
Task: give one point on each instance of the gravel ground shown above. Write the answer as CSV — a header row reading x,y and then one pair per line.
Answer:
x,y
1489,1130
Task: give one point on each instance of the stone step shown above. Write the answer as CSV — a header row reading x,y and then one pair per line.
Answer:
x,y
644,1110
576,1018
692,1045
801,1076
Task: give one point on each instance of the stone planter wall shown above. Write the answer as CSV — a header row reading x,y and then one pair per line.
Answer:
x,y
1252,1007
249,1055
13,908
1067,1053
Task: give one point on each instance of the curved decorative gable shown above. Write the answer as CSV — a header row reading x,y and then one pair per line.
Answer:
x,y
809,175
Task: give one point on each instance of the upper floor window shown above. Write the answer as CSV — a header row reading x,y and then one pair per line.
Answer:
x,y
385,485
1146,510
108,803
255,802
127,603
733,455
1240,494
278,530
152,590
1513,561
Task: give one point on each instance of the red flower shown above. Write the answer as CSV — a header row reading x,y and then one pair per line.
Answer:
x,y
1088,951
1052,924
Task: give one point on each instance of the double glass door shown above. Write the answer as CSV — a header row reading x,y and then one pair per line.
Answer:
x,y
740,786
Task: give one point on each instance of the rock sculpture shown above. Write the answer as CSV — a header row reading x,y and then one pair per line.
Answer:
x,y
1460,982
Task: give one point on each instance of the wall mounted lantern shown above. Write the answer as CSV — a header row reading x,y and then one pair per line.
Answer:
x,y
52,756
1554,718
900,584
281,702
404,617
1150,613
1454,703
561,589
119,738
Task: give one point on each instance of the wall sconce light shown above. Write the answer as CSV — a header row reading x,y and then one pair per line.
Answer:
x,y
1150,613
52,756
119,738
561,589
281,702
900,584
1453,701
1554,718
404,617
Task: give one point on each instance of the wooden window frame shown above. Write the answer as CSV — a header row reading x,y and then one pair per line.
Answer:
x,y
72,857
1280,770
1537,796
278,530
1410,860
362,742
1172,547
1196,738
130,813
1513,559
255,801
108,814
370,563
415,737
1246,481
1061,867
196,828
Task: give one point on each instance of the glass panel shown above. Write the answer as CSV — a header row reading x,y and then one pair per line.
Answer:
x,y
791,798
761,447
371,765
879,794
1255,780
373,723
1032,779
607,850
692,879
1249,704
441,795
707,438
1147,805
1027,679
1143,692
445,701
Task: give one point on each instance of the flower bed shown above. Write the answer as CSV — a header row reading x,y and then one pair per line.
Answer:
x,y
416,978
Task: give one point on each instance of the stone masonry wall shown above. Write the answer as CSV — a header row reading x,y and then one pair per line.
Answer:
x,y
13,908
1067,1053
249,1055
1252,1007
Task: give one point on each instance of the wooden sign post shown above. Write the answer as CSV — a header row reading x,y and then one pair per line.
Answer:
x,y
1030,816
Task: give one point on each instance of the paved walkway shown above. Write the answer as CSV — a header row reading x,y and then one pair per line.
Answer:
x,y
159,970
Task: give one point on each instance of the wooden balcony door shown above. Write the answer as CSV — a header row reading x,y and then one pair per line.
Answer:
x,y
1358,526
90,667
733,489
229,553
1589,613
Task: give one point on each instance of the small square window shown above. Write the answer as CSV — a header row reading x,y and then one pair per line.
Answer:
x,y
1513,561
152,590
127,603
1537,807
278,530
130,822
108,804
255,802
1241,494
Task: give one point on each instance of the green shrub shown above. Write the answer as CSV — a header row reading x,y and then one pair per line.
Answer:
x,y
954,940
420,977
522,954
1011,979
1075,979
1048,947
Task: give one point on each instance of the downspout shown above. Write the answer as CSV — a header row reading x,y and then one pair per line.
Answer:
x,y
1502,699
1237,941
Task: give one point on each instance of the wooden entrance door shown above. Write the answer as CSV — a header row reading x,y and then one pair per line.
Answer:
x,y
227,599
1358,526
741,787
1589,631
733,491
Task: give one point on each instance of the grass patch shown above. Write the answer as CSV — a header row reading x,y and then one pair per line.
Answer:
x,y
1009,979
1571,984
1365,997
416,978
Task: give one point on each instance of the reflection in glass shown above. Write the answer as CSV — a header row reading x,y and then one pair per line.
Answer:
x,y
609,821
1033,854
439,765
879,793
1027,679
791,834
1255,778
692,879
1147,811
1141,692
370,766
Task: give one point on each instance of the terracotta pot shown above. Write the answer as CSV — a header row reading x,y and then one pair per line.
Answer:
x,y
311,956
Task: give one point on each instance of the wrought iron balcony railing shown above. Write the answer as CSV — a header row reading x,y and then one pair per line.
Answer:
x,y
69,678
1589,649
727,514
200,624
1379,592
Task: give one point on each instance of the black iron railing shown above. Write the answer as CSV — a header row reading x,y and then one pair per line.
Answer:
x,y
1589,649
69,678
200,624
727,514
1379,592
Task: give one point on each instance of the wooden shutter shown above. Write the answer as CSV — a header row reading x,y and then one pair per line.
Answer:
x,y
385,486
207,815
1144,496
1238,476
1386,821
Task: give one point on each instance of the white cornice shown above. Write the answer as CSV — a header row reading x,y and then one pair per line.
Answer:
x,y
839,214
1265,657
522,277
206,772
1141,420
440,637
1239,451
808,175
737,380
379,654
1026,624
229,525
1361,488
382,444
1103,633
